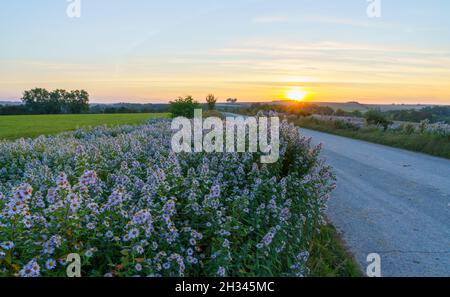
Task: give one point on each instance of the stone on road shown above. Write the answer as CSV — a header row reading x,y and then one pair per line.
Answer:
x,y
392,202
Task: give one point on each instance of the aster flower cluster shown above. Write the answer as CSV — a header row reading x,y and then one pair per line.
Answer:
x,y
122,200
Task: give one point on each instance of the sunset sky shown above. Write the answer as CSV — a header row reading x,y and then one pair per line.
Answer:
x,y
254,50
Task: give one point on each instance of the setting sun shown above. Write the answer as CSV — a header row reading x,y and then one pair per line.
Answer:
x,y
296,94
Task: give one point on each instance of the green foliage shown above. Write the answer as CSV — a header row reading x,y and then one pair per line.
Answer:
x,y
374,117
340,113
37,99
183,107
343,113
41,101
408,129
77,101
193,215
433,114
344,125
329,257
356,114
129,108
324,110
14,110
293,108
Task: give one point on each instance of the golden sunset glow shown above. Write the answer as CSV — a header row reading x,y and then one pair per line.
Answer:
x,y
332,61
296,94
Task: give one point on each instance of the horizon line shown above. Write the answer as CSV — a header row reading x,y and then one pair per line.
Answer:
x,y
18,100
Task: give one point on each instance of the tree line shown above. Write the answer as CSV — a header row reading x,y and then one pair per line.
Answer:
x,y
434,114
41,101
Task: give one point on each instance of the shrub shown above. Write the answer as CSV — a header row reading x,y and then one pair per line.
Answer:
x,y
409,129
340,113
324,110
211,100
183,107
374,117
424,126
129,206
356,114
339,124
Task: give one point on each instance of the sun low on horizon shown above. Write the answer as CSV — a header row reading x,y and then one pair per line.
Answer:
x,y
296,94
144,51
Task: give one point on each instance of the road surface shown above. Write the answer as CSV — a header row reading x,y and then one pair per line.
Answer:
x,y
392,202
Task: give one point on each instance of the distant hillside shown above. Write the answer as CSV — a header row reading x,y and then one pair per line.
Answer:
x,y
347,106
353,105
9,103
128,107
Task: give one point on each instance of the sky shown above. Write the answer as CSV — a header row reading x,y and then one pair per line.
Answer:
x,y
253,50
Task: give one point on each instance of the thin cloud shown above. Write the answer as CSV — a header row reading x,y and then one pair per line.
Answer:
x,y
270,19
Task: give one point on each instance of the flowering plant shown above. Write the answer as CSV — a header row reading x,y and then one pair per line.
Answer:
x,y
122,200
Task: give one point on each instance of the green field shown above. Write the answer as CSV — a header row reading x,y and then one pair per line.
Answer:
x,y
13,127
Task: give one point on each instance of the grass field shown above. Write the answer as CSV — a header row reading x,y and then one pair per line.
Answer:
x,y
13,127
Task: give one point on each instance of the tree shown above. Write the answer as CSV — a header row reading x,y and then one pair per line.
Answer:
x,y
375,117
356,114
183,107
77,101
41,101
36,100
340,113
211,100
324,110
232,100
57,102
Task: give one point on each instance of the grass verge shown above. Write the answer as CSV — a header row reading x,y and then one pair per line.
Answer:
x,y
13,127
435,145
329,256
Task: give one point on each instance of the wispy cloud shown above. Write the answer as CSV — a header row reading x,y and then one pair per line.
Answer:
x,y
369,23
270,19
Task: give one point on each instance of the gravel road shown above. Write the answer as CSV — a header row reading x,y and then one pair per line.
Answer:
x,y
392,202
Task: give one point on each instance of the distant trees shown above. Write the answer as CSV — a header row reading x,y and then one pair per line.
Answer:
x,y
211,100
375,117
13,109
128,108
232,100
183,107
324,110
41,101
77,101
342,113
433,114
